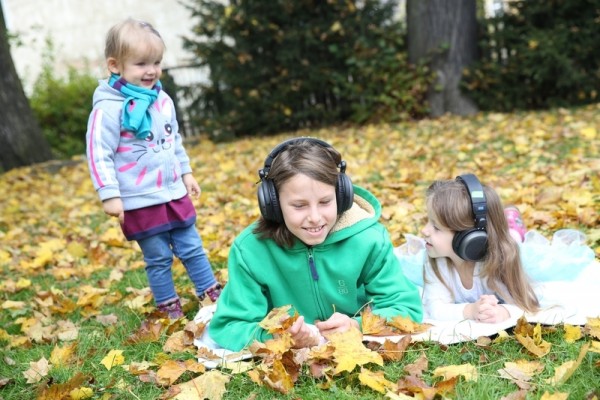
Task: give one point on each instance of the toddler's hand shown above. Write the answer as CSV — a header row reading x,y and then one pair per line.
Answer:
x,y
114,208
191,185
338,322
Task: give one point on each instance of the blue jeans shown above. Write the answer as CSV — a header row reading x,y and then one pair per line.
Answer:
x,y
186,244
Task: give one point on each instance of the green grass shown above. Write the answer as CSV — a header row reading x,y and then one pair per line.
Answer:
x,y
521,155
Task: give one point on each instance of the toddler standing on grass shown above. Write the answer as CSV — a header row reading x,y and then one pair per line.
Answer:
x,y
139,166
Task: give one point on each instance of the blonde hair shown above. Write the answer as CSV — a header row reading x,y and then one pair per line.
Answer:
x,y
449,203
132,37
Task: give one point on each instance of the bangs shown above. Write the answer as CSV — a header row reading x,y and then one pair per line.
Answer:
x,y
145,44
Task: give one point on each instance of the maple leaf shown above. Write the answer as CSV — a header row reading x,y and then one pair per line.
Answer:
x,y
468,371
349,351
149,331
279,344
177,343
406,325
421,364
170,371
277,378
414,385
114,357
521,372
37,370
278,320
139,368
592,327
375,380
394,351
554,396
535,344
373,324
60,356
106,320
565,370
572,333
66,330
211,385
62,390
81,393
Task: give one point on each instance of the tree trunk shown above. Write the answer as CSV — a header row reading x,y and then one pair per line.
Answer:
x,y
22,141
444,34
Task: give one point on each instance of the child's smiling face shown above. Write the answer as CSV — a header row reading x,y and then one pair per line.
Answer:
x,y
309,208
142,71
142,67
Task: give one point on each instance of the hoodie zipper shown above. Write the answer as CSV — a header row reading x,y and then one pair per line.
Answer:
x,y
311,265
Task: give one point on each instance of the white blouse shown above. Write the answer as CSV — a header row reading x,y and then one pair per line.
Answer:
x,y
443,304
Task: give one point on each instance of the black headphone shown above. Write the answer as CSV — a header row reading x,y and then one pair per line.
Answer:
x,y
268,198
471,244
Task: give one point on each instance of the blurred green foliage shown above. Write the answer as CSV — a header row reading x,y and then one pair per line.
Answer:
x,y
285,65
62,107
539,54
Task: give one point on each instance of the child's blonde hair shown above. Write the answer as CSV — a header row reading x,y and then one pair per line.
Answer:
x,y
132,37
450,205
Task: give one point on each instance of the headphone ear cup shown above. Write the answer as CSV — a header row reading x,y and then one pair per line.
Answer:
x,y
470,245
344,193
268,201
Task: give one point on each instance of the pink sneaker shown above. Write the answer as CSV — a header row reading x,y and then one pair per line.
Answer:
x,y
515,223
172,309
213,293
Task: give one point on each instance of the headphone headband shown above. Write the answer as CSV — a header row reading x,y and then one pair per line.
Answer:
x,y
477,199
264,172
268,198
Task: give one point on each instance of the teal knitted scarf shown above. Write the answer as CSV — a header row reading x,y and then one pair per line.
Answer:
x,y
136,108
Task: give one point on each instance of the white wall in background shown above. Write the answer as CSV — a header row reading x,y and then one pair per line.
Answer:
x,y
78,29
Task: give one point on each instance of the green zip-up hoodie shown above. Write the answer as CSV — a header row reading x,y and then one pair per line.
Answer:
x,y
353,266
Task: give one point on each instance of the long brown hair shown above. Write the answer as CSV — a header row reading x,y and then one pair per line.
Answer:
x,y
307,158
449,202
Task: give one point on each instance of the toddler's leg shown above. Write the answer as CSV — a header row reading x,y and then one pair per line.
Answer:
x,y
187,246
159,259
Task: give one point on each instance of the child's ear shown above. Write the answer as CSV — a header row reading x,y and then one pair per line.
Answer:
x,y
113,65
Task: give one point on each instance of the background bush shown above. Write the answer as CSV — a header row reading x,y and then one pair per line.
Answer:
x,y
284,65
62,108
539,54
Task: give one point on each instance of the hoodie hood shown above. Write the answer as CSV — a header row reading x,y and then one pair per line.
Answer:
x,y
106,93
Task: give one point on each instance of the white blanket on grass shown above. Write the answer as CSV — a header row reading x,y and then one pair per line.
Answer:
x,y
563,302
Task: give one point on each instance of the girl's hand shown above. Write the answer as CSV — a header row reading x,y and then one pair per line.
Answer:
x,y
114,208
336,323
303,335
492,313
191,185
488,299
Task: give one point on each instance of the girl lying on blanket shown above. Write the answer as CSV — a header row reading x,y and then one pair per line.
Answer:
x,y
474,270
565,259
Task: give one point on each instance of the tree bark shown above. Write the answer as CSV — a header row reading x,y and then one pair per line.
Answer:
x,y
22,141
444,34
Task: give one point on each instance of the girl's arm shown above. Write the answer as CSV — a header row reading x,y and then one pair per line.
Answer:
x,y
438,300
102,140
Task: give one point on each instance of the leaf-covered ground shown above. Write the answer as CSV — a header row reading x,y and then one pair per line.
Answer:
x,y
63,262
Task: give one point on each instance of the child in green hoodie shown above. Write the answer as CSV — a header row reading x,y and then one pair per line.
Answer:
x,y
317,246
